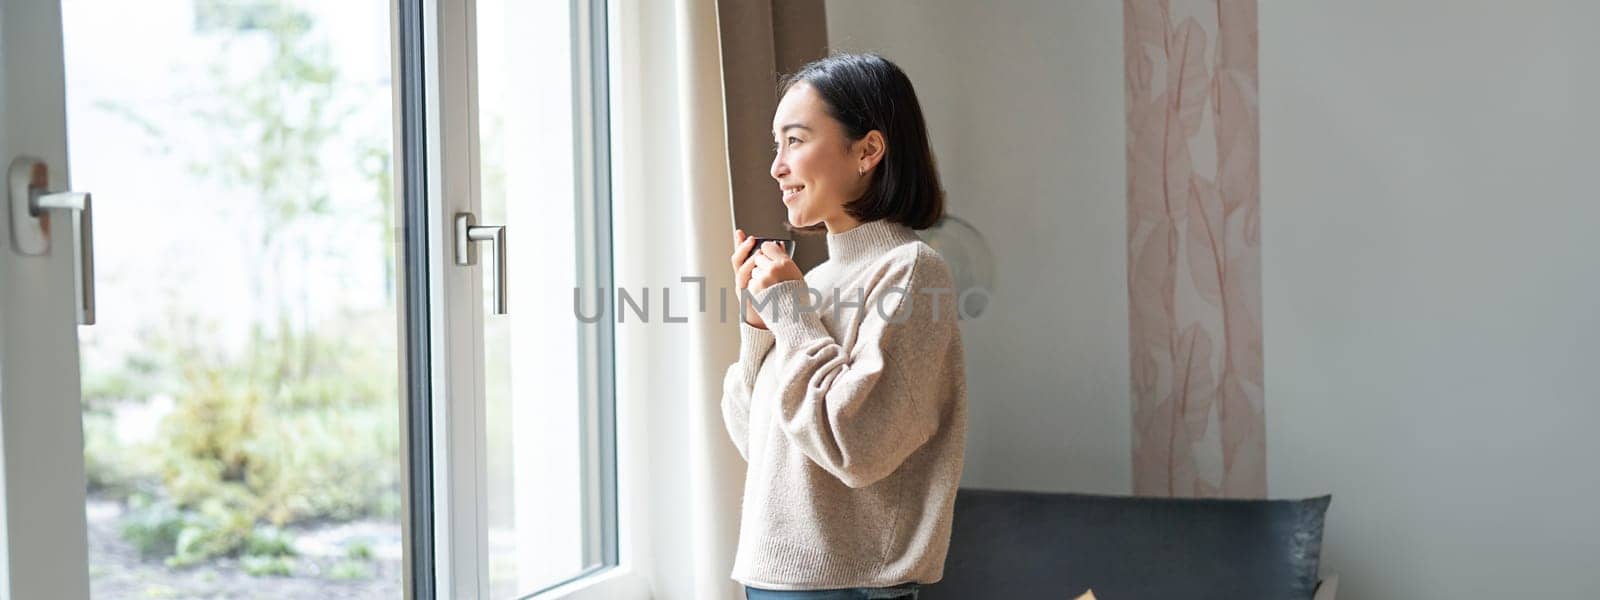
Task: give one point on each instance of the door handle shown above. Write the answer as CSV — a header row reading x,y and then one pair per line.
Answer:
x,y
468,231
30,231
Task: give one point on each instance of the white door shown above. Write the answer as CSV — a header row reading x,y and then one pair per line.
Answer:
x,y
42,547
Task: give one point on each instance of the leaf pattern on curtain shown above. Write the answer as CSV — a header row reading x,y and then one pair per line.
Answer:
x,y
1194,248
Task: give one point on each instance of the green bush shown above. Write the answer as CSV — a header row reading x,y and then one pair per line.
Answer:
x,y
359,551
135,376
268,566
269,541
189,537
113,469
205,537
158,590
151,527
241,449
350,570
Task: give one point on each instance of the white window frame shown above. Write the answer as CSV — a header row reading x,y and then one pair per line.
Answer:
x,y
454,494
43,529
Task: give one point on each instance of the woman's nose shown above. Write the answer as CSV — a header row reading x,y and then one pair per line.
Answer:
x,y
778,167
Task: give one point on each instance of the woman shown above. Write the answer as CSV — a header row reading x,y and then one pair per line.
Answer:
x,y
850,412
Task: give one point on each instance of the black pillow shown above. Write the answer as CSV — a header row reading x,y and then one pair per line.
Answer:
x,y
1008,544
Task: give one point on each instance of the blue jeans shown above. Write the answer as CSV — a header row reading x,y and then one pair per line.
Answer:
x,y
904,591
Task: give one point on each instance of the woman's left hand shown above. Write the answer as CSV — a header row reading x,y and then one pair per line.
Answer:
x,y
773,266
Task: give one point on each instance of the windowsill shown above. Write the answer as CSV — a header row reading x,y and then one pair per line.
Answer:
x,y
616,583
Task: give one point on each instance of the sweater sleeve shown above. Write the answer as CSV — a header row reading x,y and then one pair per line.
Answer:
x,y
859,412
740,380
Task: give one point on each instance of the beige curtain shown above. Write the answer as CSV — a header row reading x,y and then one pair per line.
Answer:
x,y
674,218
716,470
726,113
694,152
761,41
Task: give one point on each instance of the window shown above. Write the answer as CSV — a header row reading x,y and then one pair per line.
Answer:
x,y
240,388
549,405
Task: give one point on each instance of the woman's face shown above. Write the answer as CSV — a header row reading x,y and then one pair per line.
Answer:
x,y
817,167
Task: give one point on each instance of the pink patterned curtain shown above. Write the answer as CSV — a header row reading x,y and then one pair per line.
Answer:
x,y
1194,248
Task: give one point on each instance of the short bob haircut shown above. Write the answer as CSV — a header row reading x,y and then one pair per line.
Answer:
x,y
864,92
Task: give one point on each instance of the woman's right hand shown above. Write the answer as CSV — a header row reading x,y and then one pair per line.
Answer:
x,y
743,261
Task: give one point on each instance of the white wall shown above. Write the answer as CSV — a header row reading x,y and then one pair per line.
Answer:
x,y
1025,111
1431,283
1432,290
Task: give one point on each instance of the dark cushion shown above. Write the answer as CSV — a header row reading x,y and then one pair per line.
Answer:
x,y
1044,545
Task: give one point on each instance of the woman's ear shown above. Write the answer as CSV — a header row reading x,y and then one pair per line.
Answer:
x,y
869,150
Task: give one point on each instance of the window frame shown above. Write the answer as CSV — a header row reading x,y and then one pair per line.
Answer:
x,y
441,315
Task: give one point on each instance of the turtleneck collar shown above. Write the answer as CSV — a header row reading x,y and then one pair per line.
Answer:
x,y
868,240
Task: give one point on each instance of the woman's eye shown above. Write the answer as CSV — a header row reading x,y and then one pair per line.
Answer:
x,y
793,140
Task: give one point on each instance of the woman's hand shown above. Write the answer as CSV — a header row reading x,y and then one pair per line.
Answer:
x,y
773,266
743,264
757,269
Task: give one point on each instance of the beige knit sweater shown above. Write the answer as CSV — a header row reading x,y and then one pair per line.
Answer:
x,y
852,419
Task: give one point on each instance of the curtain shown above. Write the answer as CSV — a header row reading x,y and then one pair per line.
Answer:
x,y
1194,248
676,174
716,469
681,478
761,41
728,114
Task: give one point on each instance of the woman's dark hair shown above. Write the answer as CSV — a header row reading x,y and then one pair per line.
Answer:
x,y
864,92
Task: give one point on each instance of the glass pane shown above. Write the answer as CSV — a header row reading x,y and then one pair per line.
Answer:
x,y
540,408
241,399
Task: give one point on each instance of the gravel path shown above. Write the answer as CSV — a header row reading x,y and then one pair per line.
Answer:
x,y
117,572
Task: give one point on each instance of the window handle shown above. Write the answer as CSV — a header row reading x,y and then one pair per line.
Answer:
x,y
28,178
467,233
